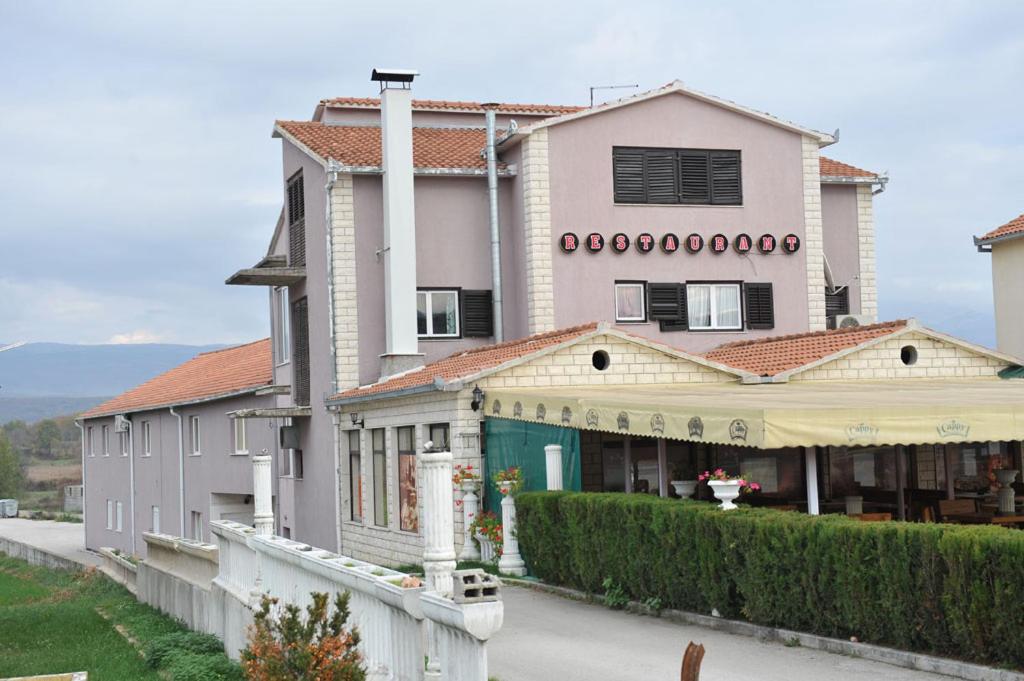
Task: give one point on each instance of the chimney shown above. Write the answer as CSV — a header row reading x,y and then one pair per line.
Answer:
x,y
401,350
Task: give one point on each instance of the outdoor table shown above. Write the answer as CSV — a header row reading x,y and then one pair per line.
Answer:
x,y
984,519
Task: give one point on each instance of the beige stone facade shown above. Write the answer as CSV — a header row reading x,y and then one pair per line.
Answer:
x,y
814,244
866,251
540,289
936,358
342,227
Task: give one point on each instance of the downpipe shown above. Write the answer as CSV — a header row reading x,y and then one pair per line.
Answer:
x,y
181,472
492,196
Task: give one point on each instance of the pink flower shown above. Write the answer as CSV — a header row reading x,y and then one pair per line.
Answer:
x,y
754,486
743,483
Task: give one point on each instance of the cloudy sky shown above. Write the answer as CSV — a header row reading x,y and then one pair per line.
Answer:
x,y
137,169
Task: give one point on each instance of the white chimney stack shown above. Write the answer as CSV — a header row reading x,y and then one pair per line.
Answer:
x,y
402,349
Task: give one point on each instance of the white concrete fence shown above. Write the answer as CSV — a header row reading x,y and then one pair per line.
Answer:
x,y
445,622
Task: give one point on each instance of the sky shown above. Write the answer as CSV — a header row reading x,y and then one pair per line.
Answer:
x,y
137,169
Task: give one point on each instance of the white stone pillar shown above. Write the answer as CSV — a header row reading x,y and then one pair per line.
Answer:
x,y
470,506
553,454
811,460
262,493
510,563
438,521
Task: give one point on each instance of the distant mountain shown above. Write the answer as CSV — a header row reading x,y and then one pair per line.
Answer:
x,y
32,409
77,373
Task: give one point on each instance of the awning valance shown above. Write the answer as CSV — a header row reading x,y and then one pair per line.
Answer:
x,y
769,416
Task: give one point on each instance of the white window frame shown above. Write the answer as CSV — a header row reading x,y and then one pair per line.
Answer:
x,y
147,439
428,295
241,445
283,337
154,519
195,436
125,443
120,517
642,286
90,441
713,303
110,514
197,526
105,436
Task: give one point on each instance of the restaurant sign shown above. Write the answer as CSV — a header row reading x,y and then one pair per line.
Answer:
x,y
645,242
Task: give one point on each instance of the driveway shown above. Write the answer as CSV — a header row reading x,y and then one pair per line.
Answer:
x,y
66,540
550,637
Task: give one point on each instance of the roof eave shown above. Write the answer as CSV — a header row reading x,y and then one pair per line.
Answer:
x,y
981,241
853,179
179,403
338,401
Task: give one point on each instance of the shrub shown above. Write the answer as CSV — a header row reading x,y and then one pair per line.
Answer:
x,y
183,665
163,647
945,589
284,645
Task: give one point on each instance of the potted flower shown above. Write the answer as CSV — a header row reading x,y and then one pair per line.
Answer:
x,y
683,481
486,529
509,480
466,478
727,487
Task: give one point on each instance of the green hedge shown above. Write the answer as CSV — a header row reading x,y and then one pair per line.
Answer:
x,y
946,589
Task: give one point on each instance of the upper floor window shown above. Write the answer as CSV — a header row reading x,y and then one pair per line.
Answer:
x,y
437,313
125,442
630,303
282,325
194,437
147,439
713,306
105,440
296,221
89,444
240,444
677,176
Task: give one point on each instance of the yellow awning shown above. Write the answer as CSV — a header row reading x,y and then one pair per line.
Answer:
x,y
769,416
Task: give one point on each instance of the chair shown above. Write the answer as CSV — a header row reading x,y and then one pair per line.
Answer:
x,y
691,662
956,506
873,517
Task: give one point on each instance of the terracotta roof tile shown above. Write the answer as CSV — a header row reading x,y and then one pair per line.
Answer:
x,y
469,362
445,105
207,375
833,168
1015,226
770,356
360,145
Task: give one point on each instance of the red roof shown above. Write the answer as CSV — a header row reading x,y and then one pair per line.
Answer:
x,y
206,376
361,146
1014,226
445,105
469,362
770,356
831,168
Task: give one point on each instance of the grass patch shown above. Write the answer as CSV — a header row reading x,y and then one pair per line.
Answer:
x,y
51,625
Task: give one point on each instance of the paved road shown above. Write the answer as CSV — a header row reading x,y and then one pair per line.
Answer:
x,y
548,637
63,539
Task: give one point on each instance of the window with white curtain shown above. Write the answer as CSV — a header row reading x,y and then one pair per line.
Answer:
x,y
283,330
437,314
630,305
713,306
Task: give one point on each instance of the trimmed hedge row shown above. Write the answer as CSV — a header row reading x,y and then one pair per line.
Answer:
x,y
952,590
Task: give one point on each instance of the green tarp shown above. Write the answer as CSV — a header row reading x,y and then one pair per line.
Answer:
x,y
519,443
1012,372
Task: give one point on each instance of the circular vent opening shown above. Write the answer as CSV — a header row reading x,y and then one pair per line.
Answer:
x,y
601,360
908,354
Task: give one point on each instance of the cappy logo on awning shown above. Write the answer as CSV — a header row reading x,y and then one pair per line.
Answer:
x,y
695,427
542,411
517,409
592,418
496,407
953,428
657,423
861,431
566,415
738,430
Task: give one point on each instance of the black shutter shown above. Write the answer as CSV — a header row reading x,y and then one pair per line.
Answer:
x,y
628,175
725,178
667,302
837,302
296,221
660,170
477,314
300,352
760,306
297,244
296,199
695,185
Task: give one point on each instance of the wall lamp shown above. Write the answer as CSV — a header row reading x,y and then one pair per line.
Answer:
x,y
478,399
356,421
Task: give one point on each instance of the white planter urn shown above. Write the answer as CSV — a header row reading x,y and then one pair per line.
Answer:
x,y
469,486
1007,497
684,488
470,507
725,491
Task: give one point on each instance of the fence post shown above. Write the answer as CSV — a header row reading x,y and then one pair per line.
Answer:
x,y
263,491
553,454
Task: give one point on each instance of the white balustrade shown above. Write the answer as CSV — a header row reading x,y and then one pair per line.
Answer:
x,y
263,491
470,507
553,459
438,520
510,563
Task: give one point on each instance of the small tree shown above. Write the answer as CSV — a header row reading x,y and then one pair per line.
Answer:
x,y
10,470
285,646
47,436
